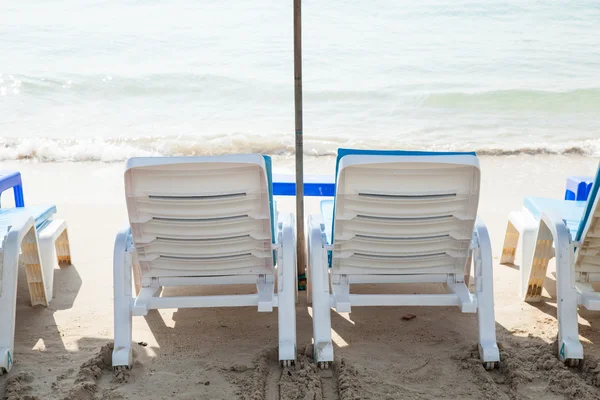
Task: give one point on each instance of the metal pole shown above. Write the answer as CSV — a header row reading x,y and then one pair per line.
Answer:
x,y
300,250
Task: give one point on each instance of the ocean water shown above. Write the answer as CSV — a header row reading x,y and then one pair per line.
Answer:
x,y
106,80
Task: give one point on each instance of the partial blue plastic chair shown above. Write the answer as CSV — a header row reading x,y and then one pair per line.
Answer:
x,y
30,236
569,231
578,188
12,180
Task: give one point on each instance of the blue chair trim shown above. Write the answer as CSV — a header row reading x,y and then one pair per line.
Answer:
x,y
269,170
590,205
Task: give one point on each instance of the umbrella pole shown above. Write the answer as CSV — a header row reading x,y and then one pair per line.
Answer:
x,y
301,246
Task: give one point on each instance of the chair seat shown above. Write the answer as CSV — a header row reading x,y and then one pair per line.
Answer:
x,y
570,211
8,216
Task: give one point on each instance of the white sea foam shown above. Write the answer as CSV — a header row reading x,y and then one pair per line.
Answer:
x,y
115,150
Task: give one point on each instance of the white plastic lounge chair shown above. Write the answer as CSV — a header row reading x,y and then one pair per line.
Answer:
x,y
32,237
203,221
401,217
573,227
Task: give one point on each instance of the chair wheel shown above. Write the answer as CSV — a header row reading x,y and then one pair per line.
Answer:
x,y
490,365
324,364
573,362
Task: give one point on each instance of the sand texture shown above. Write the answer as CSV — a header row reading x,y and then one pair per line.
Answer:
x,y
64,351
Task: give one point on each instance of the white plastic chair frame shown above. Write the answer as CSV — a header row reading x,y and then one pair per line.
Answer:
x,y
37,250
576,268
322,277
127,305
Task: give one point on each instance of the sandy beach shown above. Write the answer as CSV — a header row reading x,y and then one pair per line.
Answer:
x,y
63,351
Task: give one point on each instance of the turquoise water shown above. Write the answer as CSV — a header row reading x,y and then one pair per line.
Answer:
x,y
109,79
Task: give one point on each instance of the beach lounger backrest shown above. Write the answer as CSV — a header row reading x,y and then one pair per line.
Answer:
x,y
587,255
404,212
194,216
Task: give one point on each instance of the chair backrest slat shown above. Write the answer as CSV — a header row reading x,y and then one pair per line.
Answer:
x,y
194,216
404,213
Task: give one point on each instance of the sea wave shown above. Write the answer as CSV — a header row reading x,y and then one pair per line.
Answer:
x,y
578,100
152,86
225,88
117,150
118,86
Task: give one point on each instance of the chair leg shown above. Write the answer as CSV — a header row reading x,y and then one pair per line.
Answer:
x,y
588,297
122,270
511,240
468,265
9,263
286,287
340,286
552,228
54,246
264,288
527,240
63,249
320,296
8,298
484,286
520,234
543,252
137,274
33,268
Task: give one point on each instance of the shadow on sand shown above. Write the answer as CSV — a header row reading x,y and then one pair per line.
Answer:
x,y
38,339
221,353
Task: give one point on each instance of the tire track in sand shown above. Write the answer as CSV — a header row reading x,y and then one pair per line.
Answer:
x,y
329,384
272,382
267,380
